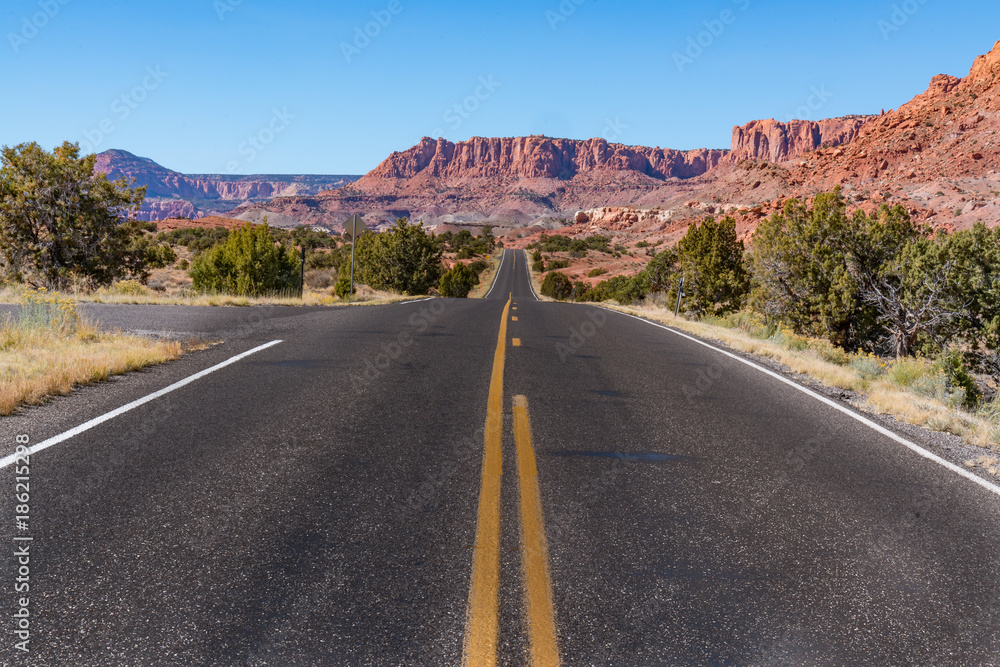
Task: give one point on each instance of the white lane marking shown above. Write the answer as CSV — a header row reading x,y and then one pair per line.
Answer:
x,y
403,303
496,278
823,399
45,444
530,286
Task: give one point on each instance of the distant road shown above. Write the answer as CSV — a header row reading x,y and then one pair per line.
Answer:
x,y
517,481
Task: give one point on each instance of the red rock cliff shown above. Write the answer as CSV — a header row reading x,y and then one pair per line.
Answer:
x,y
778,142
537,157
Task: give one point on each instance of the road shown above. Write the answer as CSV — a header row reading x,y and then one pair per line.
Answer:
x,y
511,480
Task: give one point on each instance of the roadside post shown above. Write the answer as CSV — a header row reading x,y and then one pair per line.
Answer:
x,y
354,226
302,274
680,295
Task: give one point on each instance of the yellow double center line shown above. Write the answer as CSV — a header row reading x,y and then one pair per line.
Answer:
x,y
482,624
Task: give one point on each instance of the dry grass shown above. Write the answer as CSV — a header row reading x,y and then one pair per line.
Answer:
x,y
131,292
49,351
486,278
911,390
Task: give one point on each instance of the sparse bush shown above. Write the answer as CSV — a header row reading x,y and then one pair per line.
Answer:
x,y
868,366
557,264
594,273
457,282
557,286
538,266
128,288
41,310
321,278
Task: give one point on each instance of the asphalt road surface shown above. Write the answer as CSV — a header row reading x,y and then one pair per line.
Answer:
x,y
512,481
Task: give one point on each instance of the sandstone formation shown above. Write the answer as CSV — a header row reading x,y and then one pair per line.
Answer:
x,y
535,157
778,142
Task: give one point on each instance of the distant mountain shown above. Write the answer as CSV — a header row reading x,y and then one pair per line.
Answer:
x,y
170,194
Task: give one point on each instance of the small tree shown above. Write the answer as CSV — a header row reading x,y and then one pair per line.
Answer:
x,y
457,282
711,260
248,263
60,221
405,259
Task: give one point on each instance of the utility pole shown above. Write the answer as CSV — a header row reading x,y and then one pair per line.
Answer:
x,y
680,295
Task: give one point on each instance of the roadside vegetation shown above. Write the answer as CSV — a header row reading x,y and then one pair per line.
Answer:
x,y
48,349
879,304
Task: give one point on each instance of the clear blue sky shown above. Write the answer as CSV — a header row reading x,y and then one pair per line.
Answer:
x,y
200,77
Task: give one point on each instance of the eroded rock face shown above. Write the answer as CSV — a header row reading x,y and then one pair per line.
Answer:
x,y
778,142
171,194
536,157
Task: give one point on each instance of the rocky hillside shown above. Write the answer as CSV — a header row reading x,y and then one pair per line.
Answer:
x,y
937,155
778,142
170,194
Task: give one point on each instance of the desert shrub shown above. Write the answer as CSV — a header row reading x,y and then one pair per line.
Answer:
x,y
538,266
342,287
952,365
321,278
478,266
868,366
557,264
600,271
557,286
405,259
128,288
323,260
43,310
623,289
248,264
457,282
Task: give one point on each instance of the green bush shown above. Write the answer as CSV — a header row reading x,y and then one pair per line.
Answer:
x,y
557,286
248,264
538,266
952,365
316,261
557,264
342,287
600,271
405,259
457,282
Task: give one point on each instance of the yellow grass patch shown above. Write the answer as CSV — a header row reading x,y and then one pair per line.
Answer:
x,y
36,364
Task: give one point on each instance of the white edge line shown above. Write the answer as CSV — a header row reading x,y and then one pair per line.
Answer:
x,y
530,286
503,258
823,399
55,440
403,303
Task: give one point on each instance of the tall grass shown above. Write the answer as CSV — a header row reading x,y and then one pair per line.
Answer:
x,y
48,350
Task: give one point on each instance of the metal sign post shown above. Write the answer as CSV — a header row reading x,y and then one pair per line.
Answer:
x,y
302,273
354,226
680,295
